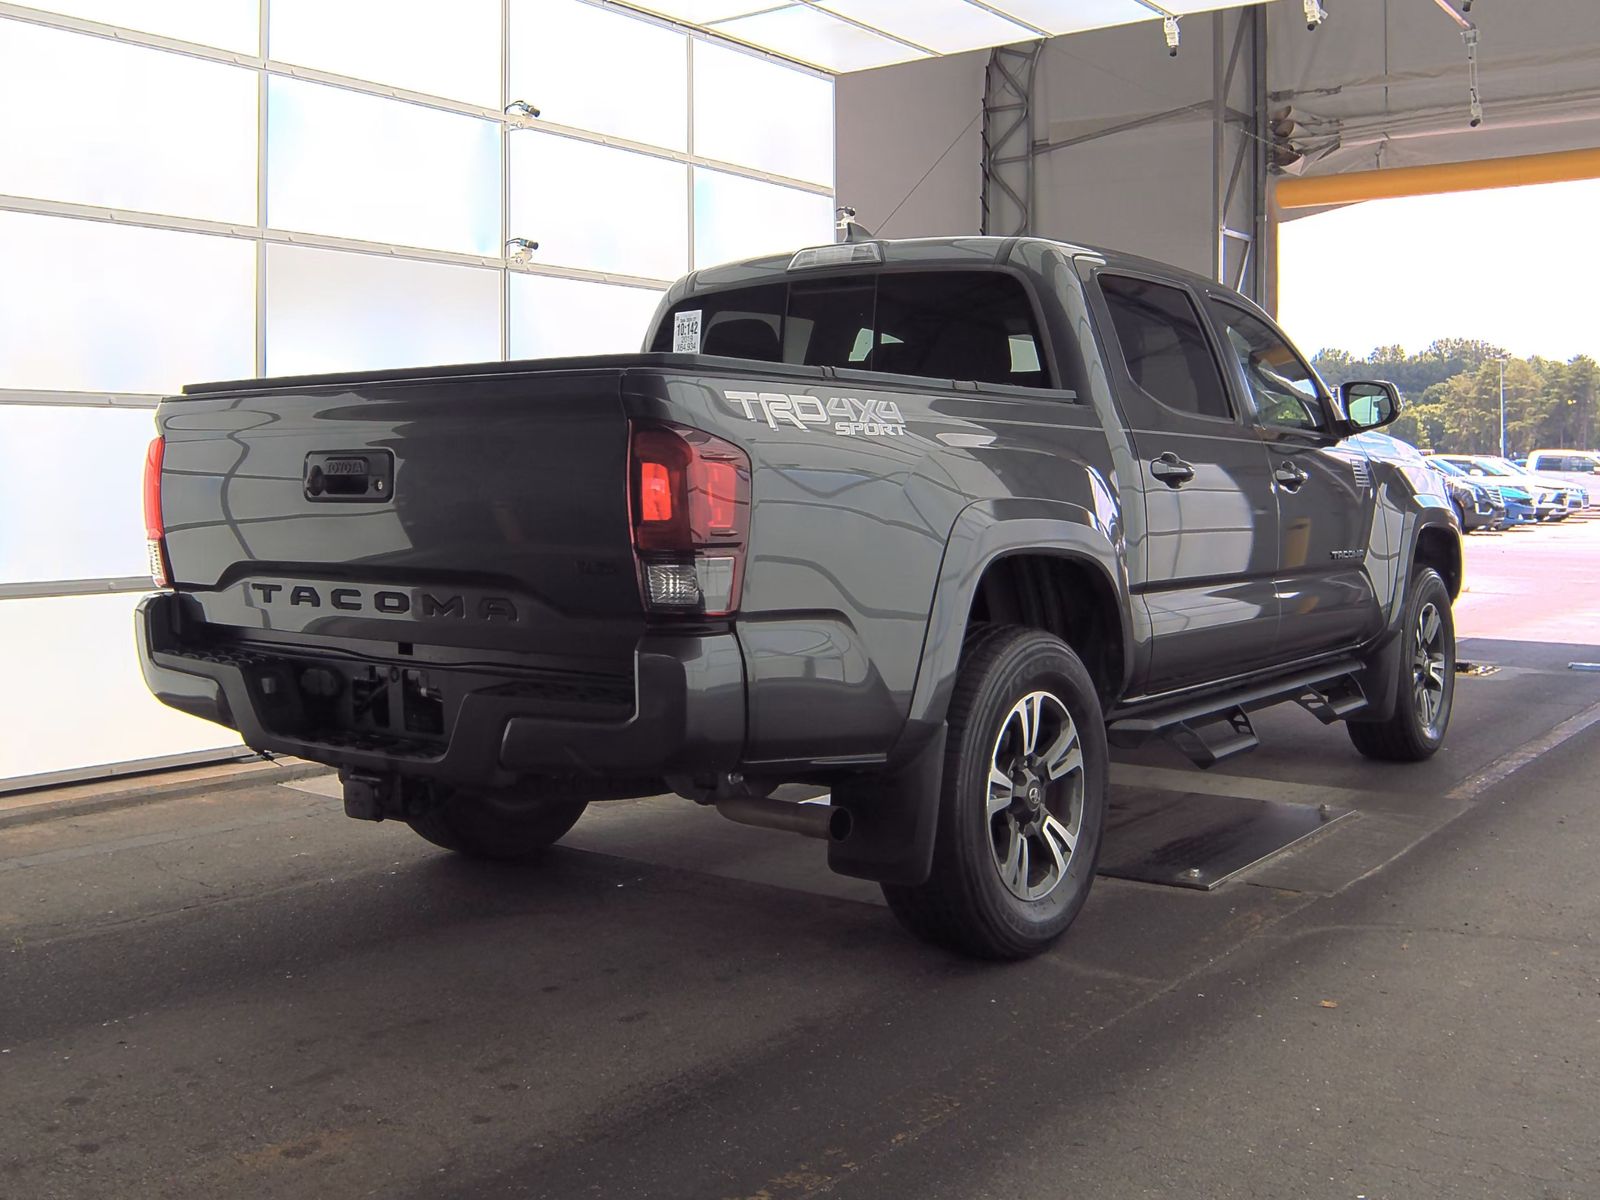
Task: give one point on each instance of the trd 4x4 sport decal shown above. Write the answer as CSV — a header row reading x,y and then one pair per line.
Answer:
x,y
848,416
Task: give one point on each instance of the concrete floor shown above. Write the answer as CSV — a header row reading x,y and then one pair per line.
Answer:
x,y
239,993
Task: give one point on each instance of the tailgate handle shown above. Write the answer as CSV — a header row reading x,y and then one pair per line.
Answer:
x,y
359,476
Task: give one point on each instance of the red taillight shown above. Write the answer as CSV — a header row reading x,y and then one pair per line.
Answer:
x,y
655,492
155,531
720,497
690,517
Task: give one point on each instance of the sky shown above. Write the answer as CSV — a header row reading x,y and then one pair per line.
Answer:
x,y
1519,267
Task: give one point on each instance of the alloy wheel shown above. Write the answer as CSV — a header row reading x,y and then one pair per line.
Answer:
x,y
1035,802
1428,667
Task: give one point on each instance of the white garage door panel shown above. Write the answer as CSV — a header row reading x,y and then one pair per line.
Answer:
x,y
84,692
119,309
552,318
355,166
231,24
752,111
421,45
82,532
599,209
740,218
641,91
333,311
182,142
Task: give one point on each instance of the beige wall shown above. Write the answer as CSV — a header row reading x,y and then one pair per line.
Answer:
x,y
893,125
1147,190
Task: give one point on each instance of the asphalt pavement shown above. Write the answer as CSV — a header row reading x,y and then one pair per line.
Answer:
x,y
237,992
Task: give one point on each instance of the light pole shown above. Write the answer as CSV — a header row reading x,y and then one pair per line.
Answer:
x,y
1500,361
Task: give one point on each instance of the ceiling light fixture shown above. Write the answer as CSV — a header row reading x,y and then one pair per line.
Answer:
x,y
1315,14
1169,28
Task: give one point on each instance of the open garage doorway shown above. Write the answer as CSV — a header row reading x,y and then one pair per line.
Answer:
x,y
1478,304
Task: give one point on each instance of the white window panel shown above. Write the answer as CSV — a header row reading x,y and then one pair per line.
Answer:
x,y
441,49
554,318
231,24
598,208
1073,16
178,137
948,26
754,112
698,12
738,218
60,722
640,94
812,36
92,307
381,170
1182,7
92,523
335,310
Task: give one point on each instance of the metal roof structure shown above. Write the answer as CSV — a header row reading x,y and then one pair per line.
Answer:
x,y
855,35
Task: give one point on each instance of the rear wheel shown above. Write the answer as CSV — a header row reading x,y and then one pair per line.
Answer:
x,y
497,826
1022,802
1416,728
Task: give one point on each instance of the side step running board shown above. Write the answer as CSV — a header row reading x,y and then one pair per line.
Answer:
x,y
1333,701
1206,743
1215,727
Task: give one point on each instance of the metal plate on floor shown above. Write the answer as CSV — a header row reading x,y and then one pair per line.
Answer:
x,y
1197,841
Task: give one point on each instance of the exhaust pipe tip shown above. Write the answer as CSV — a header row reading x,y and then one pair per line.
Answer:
x,y
824,821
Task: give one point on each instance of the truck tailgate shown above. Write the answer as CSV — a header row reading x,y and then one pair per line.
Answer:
x,y
470,511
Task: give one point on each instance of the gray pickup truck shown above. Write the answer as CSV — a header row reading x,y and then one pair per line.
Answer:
x,y
926,524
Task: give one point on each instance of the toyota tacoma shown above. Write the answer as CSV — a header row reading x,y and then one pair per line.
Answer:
x,y
924,524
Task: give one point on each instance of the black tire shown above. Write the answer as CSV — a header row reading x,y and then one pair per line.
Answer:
x,y
499,827
1461,516
1409,735
966,905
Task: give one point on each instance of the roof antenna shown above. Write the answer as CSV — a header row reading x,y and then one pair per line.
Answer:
x,y
847,228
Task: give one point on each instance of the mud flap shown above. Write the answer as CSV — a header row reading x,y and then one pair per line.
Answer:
x,y
1380,681
895,818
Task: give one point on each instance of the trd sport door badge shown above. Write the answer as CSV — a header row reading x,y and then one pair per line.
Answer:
x,y
848,416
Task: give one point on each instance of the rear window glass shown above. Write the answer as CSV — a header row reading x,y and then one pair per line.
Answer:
x,y
963,325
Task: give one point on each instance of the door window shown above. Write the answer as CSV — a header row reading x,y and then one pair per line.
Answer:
x,y
1285,392
1164,346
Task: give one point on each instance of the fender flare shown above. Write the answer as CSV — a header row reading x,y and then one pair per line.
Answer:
x,y
984,533
897,814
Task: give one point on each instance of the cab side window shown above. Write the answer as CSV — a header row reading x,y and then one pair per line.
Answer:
x,y
1285,392
1164,346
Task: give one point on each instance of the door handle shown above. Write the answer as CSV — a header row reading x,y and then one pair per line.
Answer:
x,y
1171,470
1289,477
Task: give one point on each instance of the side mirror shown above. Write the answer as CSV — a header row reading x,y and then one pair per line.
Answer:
x,y
1369,404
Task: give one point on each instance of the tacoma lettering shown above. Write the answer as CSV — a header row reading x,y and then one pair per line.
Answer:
x,y
391,603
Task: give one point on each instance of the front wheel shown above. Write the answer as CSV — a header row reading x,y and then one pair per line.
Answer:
x,y
1022,802
497,826
1416,728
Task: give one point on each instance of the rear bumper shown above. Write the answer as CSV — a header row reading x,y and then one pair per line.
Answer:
x,y
687,711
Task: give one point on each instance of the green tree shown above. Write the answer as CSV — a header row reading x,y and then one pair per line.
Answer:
x,y
1452,390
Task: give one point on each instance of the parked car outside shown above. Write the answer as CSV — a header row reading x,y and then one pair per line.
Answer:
x,y
1477,505
1580,468
1573,498
1516,502
1549,496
